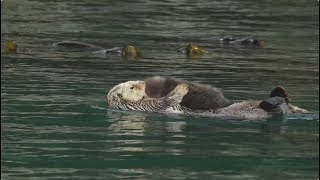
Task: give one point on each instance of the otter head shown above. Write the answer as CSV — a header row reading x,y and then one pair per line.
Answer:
x,y
130,91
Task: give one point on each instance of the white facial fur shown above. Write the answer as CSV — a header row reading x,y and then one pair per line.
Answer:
x,y
131,91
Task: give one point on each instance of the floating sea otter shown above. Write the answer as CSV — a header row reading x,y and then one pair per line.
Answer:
x,y
155,95
250,40
129,51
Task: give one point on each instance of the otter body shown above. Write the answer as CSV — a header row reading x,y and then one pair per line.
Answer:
x,y
241,110
128,50
233,41
199,97
76,44
247,41
159,94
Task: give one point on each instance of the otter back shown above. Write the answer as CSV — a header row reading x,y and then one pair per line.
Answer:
x,y
199,97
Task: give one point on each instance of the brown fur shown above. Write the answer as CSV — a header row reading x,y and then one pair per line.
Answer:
x,y
199,97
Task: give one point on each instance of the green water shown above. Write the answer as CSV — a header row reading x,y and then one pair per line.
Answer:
x,y
56,124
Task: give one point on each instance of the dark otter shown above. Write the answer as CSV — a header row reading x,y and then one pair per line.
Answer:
x,y
247,41
127,50
277,100
199,97
228,39
77,44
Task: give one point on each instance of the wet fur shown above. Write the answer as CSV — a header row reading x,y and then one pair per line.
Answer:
x,y
199,97
161,94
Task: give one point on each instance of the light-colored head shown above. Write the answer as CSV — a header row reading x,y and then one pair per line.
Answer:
x,y
131,91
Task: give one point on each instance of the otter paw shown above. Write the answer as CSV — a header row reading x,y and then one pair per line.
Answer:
x,y
182,89
280,92
179,92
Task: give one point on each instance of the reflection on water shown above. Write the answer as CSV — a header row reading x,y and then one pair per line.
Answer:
x,y
142,126
56,124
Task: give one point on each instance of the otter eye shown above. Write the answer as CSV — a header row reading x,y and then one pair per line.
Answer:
x,y
131,87
119,95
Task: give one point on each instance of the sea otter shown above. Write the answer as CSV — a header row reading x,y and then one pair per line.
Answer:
x,y
228,39
129,51
138,95
199,96
247,41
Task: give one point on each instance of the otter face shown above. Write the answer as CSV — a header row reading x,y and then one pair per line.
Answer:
x,y
131,91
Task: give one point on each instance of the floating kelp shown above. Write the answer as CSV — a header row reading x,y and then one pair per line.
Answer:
x,y
132,52
11,47
192,50
129,51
